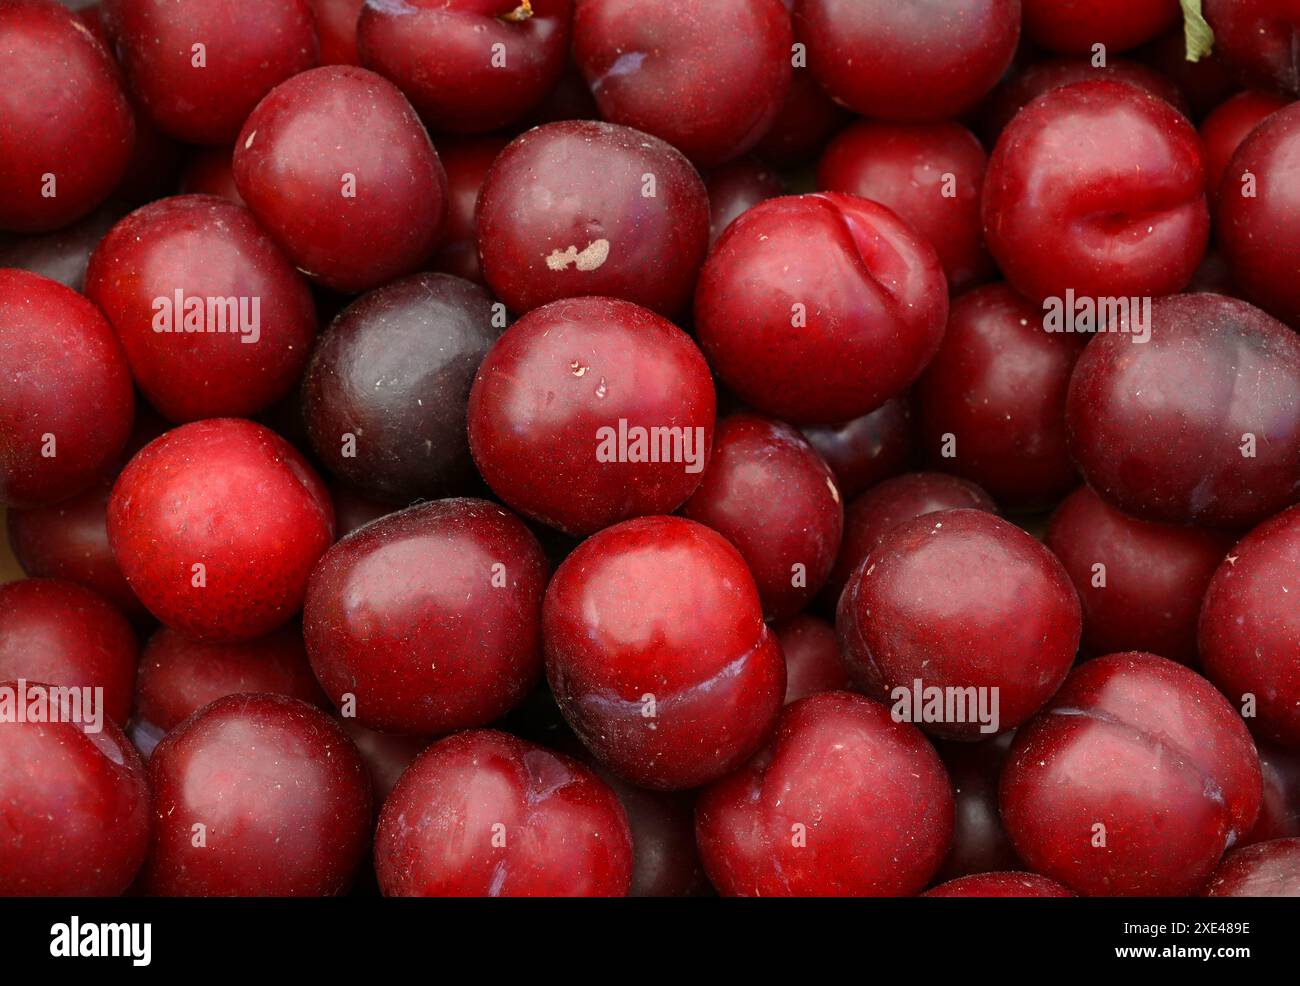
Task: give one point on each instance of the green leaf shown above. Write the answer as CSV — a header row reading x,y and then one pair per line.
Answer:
x,y
1200,38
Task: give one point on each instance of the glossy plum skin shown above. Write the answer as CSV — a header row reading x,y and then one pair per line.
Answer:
x,y
907,167
913,612
890,61
1257,232
430,618
1072,28
76,809
220,362
708,76
66,404
69,540
484,814
1250,626
735,188
843,802
1023,86
466,162
337,167
769,493
979,841
281,793
1149,751
60,633
998,386
1159,429
1266,869
1257,39
553,384
866,450
467,66
394,371
1100,188
234,497
1155,576
178,676
869,517
812,657
63,112
583,208
203,97
657,653
823,323
817,309
1223,131
1008,884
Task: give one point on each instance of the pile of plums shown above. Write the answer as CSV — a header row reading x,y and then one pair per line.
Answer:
x,y
592,447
